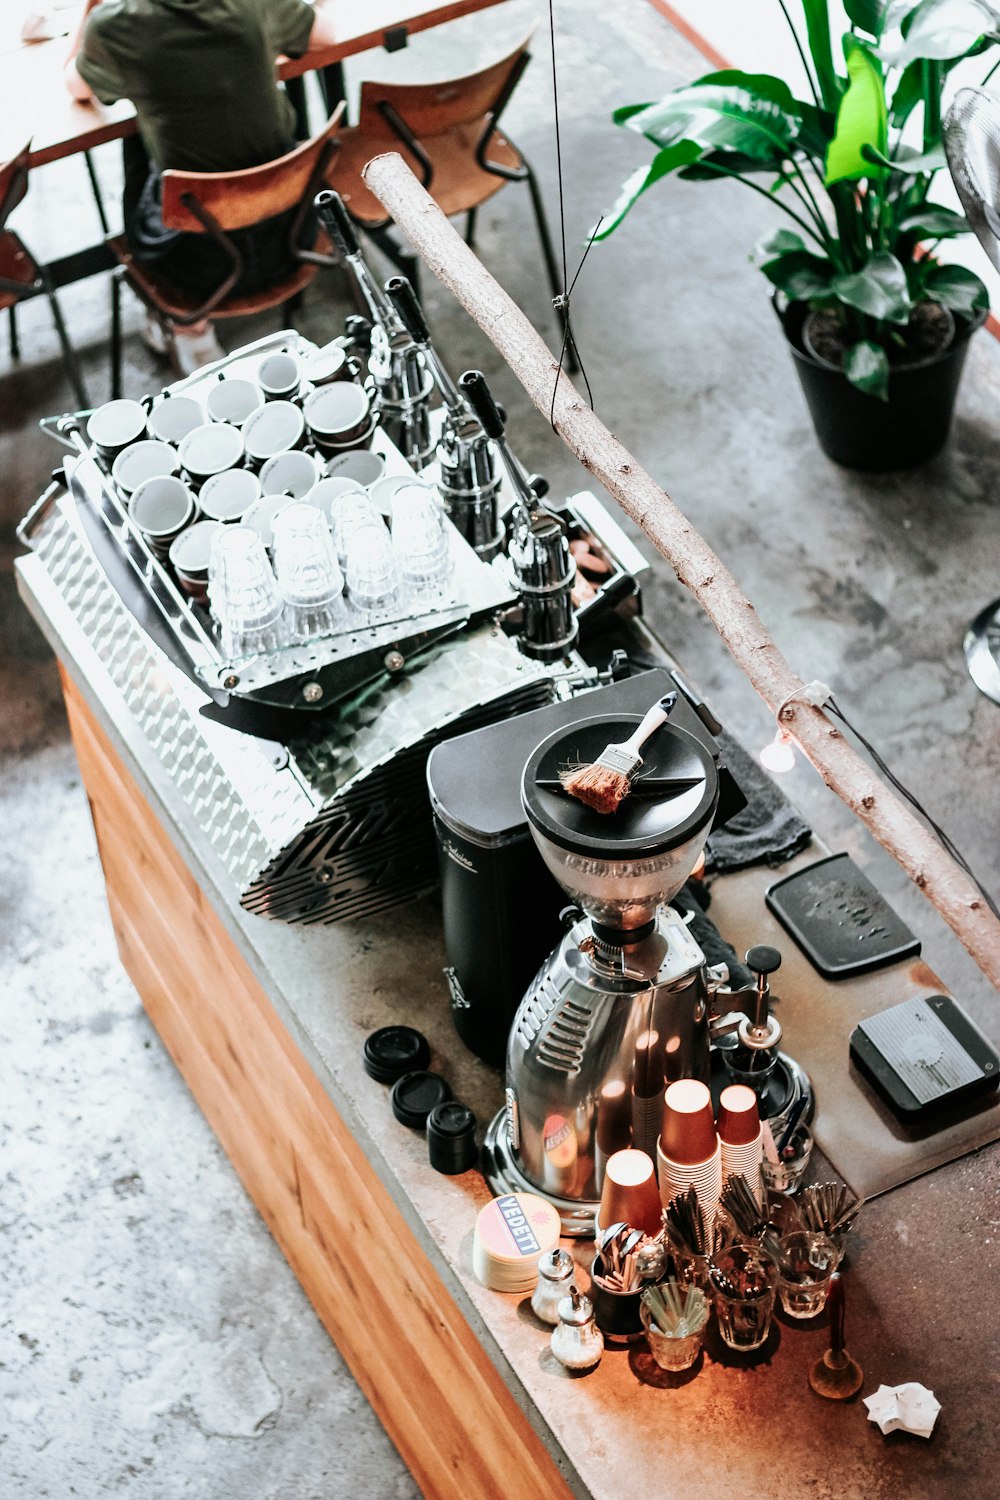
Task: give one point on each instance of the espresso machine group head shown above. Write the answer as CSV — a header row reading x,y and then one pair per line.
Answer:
x,y
620,1008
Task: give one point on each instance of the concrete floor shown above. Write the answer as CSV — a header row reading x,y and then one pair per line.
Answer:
x,y
154,1341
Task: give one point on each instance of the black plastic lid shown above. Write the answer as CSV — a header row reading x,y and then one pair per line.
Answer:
x,y
393,1051
415,1095
673,796
451,1138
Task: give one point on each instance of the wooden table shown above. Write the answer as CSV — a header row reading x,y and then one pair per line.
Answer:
x,y
37,105
266,1022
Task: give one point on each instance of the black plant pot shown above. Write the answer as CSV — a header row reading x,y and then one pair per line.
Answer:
x,y
862,432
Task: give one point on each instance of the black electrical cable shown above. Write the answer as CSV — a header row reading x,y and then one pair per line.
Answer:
x,y
939,833
562,302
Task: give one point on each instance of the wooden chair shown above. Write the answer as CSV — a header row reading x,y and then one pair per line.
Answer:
x,y
21,276
216,203
449,133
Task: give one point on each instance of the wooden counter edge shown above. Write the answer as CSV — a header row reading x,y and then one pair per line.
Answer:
x,y
408,1345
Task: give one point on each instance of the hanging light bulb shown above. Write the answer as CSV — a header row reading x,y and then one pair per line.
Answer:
x,y
779,755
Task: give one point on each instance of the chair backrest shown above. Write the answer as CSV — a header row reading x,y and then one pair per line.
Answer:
x,y
13,183
236,200
431,109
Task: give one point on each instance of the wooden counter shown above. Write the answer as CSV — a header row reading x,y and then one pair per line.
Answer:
x,y
266,1023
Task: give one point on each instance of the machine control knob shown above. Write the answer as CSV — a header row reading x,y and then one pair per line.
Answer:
x,y
762,959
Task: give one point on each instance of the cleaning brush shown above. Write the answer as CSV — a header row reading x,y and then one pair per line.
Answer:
x,y
605,783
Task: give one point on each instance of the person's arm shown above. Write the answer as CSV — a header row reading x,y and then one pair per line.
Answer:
x,y
74,83
322,34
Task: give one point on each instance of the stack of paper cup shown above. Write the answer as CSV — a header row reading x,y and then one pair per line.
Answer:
x,y
511,1233
629,1194
741,1136
647,1091
614,1123
688,1151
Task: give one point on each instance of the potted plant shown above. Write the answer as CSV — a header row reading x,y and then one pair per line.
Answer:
x,y
877,325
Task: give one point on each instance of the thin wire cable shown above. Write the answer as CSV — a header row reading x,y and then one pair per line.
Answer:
x,y
942,837
562,302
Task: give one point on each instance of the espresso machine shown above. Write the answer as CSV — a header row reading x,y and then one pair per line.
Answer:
x,y
621,1007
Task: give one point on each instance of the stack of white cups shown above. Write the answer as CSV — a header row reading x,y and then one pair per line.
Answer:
x,y
741,1136
688,1152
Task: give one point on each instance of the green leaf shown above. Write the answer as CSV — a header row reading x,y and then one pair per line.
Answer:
x,y
958,289
909,92
907,161
868,14
866,366
939,29
879,290
933,223
821,49
799,275
861,119
624,112
664,162
755,117
779,242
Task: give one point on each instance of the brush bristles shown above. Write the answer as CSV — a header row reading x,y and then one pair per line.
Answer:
x,y
597,786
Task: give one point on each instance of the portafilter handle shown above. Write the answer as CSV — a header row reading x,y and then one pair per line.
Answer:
x,y
411,316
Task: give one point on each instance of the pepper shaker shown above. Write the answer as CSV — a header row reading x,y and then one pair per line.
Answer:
x,y
555,1268
576,1341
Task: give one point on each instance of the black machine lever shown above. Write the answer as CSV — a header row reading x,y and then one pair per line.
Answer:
x,y
411,314
479,396
337,222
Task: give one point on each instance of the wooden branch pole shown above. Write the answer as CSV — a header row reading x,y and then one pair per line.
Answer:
x,y
692,559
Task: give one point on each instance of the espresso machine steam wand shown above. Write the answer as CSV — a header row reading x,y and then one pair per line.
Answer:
x,y
470,481
397,366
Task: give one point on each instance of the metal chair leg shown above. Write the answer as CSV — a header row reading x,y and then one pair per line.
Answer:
x,y
95,188
68,352
15,342
116,332
406,261
572,358
470,228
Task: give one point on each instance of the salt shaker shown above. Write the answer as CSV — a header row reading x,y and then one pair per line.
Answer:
x,y
555,1268
577,1342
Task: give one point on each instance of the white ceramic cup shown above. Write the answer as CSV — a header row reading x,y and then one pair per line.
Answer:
x,y
360,464
232,400
114,426
143,460
280,376
161,507
228,496
210,449
276,427
292,474
173,417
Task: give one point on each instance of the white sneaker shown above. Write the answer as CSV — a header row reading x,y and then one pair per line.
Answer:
x,y
192,351
153,336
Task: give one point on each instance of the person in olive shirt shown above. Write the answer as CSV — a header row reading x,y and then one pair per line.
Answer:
x,y
201,74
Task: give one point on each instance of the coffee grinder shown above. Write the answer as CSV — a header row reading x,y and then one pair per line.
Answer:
x,y
620,1008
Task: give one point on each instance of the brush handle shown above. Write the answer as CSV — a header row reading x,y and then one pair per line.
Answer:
x,y
835,1304
653,718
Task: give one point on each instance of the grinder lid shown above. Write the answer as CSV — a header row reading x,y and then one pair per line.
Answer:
x,y
674,793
